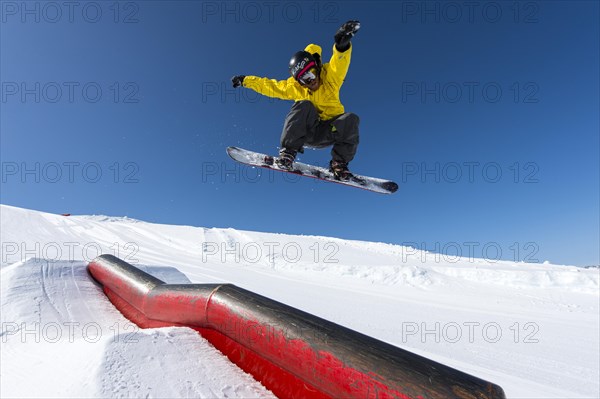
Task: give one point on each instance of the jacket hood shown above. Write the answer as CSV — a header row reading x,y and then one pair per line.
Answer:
x,y
313,49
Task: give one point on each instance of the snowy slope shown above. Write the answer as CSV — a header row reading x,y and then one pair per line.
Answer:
x,y
62,338
531,328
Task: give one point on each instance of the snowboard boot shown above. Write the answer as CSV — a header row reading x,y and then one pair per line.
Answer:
x,y
286,158
340,170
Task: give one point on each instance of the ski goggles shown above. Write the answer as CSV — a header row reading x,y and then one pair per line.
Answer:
x,y
308,76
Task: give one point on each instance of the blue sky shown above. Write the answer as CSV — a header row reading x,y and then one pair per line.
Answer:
x,y
485,113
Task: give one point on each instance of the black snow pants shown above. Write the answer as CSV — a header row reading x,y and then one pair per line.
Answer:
x,y
303,127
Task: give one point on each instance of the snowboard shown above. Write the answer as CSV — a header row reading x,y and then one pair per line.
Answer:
x,y
252,158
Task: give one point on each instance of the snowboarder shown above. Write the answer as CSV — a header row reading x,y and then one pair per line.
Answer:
x,y
317,118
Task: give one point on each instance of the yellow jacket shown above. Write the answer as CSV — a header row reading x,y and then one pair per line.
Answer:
x,y
326,98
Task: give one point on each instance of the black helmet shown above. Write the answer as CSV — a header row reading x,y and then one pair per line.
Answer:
x,y
304,66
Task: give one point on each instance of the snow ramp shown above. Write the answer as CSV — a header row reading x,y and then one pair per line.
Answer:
x,y
291,352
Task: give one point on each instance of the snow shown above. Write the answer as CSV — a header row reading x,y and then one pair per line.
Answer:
x,y
62,338
531,328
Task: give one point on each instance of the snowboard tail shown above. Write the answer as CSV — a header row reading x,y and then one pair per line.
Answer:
x,y
252,158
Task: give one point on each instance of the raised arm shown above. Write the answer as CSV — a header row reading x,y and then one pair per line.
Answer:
x,y
342,50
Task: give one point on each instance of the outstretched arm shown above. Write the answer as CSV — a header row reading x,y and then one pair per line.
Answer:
x,y
282,89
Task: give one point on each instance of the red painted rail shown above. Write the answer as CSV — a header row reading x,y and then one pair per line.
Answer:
x,y
291,352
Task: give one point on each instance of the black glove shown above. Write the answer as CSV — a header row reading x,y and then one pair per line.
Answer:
x,y
344,34
238,80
